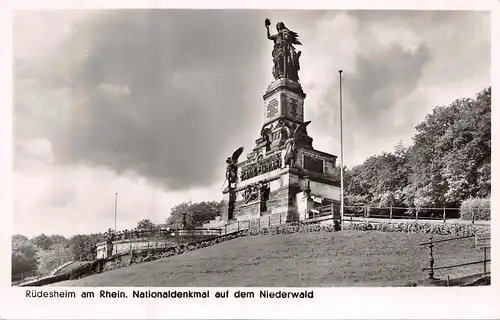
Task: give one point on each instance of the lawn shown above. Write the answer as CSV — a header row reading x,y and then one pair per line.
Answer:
x,y
347,258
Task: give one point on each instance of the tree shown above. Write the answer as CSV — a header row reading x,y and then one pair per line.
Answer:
x,y
55,256
42,241
448,162
451,155
23,255
145,224
195,214
83,246
380,180
57,238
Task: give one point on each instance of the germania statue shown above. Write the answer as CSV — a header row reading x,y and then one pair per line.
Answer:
x,y
286,59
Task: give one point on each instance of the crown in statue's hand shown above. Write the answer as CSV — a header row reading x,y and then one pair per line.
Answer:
x,y
267,22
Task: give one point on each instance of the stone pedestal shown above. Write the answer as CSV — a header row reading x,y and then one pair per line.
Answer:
x,y
284,99
249,211
304,204
264,165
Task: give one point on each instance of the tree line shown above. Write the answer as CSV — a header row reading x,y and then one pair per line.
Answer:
x,y
45,253
449,161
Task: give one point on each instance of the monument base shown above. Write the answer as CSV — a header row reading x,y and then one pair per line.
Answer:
x,y
283,174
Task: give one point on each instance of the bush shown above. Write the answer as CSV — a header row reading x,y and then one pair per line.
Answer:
x,y
475,209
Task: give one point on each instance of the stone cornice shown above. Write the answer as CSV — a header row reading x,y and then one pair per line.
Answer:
x,y
313,151
284,84
316,177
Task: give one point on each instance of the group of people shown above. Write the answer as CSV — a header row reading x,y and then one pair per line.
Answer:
x,y
137,233
162,232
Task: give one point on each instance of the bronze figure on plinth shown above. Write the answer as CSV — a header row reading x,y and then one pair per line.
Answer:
x,y
286,59
231,177
293,140
231,168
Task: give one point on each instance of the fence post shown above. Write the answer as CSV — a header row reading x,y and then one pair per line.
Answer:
x,y
238,225
390,214
416,215
269,221
259,222
444,214
225,229
431,260
484,263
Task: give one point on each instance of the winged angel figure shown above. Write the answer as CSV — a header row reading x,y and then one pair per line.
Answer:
x,y
231,168
286,59
291,143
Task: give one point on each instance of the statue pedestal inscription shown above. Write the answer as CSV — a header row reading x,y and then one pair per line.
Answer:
x,y
284,99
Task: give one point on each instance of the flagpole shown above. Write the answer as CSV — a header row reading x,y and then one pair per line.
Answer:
x,y
116,203
341,160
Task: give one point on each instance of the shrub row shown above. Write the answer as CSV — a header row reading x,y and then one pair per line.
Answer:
x,y
289,228
407,227
454,229
475,209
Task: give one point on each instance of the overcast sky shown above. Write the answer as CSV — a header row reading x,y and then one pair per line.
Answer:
x,y
150,103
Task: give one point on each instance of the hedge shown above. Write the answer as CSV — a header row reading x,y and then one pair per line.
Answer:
x,y
454,229
475,209
445,229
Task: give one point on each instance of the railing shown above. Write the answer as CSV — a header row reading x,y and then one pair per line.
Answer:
x,y
164,233
123,242
268,220
393,212
366,213
323,211
479,243
351,214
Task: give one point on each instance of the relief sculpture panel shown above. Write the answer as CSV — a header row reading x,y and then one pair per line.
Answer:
x,y
263,166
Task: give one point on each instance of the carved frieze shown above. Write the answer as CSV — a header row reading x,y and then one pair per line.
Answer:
x,y
261,166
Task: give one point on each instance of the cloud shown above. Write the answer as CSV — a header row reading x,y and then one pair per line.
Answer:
x,y
155,92
393,63
114,90
70,199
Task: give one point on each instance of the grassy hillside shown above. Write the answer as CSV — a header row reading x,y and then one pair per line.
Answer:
x,y
348,258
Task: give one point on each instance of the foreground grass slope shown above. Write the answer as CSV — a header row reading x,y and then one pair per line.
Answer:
x,y
348,258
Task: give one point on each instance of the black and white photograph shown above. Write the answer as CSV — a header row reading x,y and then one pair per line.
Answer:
x,y
240,148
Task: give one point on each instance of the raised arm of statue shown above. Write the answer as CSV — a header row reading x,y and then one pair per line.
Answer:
x,y
267,23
